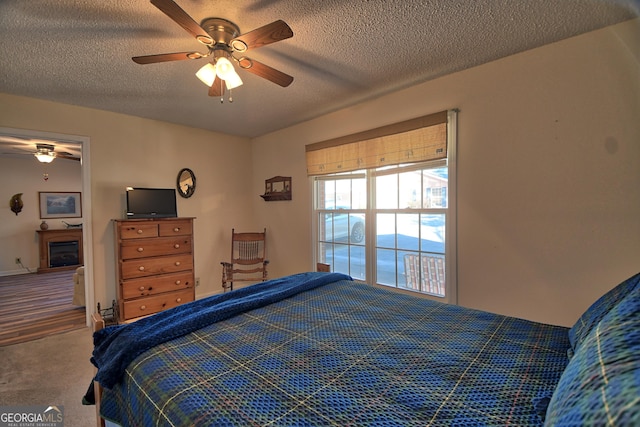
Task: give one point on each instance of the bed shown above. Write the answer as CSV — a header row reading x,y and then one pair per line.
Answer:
x,y
319,349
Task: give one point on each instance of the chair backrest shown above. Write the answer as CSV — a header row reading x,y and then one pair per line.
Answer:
x,y
425,273
248,259
248,248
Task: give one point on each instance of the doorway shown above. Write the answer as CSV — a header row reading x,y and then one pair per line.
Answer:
x,y
83,143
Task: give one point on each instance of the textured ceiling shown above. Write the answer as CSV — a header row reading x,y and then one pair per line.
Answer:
x,y
342,52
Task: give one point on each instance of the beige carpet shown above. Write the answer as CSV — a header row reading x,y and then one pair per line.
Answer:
x,y
51,371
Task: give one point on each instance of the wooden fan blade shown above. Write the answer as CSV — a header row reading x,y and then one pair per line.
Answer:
x,y
217,88
64,156
266,72
262,36
166,57
175,12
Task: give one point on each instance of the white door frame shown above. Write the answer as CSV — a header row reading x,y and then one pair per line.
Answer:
x,y
85,168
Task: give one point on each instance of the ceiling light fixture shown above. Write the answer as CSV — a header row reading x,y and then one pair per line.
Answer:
x,y
223,69
223,40
45,153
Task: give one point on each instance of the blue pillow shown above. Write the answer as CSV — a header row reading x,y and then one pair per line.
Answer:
x,y
601,384
599,309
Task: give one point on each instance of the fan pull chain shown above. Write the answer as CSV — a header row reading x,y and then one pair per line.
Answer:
x,y
230,97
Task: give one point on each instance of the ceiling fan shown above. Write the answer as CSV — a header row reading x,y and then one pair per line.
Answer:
x,y
224,41
45,152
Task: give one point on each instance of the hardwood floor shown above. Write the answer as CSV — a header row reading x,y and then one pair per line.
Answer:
x,y
36,305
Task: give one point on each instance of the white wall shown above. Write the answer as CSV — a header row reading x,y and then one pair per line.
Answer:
x,y
548,173
130,151
18,232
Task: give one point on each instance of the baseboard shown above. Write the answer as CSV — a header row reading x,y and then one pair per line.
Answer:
x,y
16,272
208,294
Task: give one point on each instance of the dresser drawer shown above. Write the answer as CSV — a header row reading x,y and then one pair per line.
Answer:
x,y
146,286
175,228
138,230
143,248
153,304
134,268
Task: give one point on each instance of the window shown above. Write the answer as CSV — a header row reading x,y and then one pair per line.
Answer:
x,y
341,218
391,225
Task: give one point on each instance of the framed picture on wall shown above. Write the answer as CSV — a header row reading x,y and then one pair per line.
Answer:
x,y
60,205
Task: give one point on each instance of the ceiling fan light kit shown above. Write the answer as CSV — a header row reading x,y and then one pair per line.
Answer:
x,y
45,153
223,39
45,157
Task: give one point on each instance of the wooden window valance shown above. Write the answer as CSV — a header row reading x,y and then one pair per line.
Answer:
x,y
415,140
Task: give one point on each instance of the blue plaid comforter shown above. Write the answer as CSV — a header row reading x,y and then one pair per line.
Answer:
x,y
346,354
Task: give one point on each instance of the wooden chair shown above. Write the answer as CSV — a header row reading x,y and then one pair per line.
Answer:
x,y
425,273
248,259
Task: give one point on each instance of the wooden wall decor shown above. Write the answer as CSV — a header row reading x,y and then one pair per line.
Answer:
x,y
277,188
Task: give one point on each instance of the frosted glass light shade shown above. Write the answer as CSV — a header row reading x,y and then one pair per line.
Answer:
x,y
224,68
207,74
45,157
233,80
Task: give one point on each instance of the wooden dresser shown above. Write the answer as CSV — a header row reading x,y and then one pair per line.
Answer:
x,y
154,265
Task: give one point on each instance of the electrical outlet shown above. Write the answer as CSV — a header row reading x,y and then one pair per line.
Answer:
x,y
18,261
197,282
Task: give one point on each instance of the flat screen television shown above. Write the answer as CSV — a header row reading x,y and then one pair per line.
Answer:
x,y
151,203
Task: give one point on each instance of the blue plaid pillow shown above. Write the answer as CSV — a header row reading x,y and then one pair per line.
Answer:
x,y
599,309
601,384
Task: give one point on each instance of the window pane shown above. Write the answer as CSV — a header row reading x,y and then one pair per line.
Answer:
x,y
359,193
325,227
387,192
386,230
343,194
386,266
326,194
410,185
325,253
357,229
432,227
357,263
435,187
341,258
408,231
340,227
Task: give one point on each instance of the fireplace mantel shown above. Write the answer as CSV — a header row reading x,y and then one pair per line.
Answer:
x,y
51,236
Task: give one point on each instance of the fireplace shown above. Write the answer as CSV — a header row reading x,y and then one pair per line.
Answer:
x,y
63,254
60,249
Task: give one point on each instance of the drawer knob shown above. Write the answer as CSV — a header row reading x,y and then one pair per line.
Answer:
x,y
142,288
140,249
176,229
139,231
178,282
178,299
177,263
143,307
177,246
141,268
